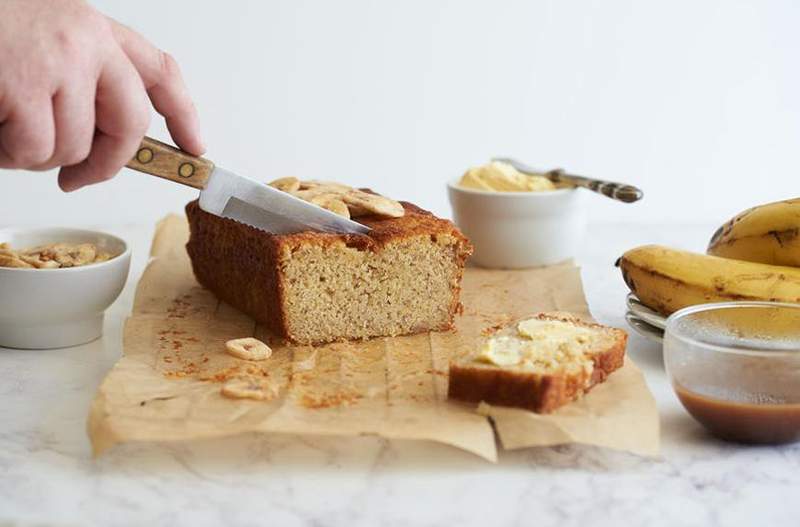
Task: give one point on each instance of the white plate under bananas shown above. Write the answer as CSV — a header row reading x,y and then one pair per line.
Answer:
x,y
646,322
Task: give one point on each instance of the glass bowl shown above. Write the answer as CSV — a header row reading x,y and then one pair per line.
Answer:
x,y
735,366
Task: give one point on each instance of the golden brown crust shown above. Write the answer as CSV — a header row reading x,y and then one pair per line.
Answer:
x,y
243,265
416,221
536,392
238,263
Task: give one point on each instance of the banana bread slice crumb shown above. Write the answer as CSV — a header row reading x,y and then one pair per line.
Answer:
x,y
539,363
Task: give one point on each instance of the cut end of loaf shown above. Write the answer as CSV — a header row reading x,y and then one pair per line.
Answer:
x,y
409,286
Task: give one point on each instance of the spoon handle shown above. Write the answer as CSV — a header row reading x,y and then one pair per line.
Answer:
x,y
618,191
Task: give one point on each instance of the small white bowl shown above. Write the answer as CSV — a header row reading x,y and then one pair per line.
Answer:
x,y
514,230
56,308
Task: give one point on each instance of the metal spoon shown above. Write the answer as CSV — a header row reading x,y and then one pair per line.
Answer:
x,y
617,191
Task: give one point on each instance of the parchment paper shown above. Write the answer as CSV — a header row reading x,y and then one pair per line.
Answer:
x,y
167,384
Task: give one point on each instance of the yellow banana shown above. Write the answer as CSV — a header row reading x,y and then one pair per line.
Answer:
x,y
667,279
767,234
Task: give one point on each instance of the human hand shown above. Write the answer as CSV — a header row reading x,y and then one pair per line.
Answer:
x,y
74,86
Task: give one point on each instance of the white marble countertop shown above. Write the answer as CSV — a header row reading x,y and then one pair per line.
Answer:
x,y
48,477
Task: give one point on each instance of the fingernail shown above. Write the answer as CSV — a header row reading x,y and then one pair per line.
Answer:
x,y
69,186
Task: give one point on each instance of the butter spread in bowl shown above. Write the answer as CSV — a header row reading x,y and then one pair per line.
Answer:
x,y
516,219
502,177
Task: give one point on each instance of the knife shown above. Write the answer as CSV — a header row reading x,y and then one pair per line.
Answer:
x,y
241,199
610,189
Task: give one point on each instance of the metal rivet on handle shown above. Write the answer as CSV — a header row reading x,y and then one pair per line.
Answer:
x,y
186,170
144,156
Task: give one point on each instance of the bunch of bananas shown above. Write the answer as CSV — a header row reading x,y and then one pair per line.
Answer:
x,y
754,256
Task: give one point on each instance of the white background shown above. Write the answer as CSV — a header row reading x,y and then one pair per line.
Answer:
x,y
695,102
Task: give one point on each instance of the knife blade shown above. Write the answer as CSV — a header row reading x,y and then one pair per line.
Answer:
x,y
247,201
236,197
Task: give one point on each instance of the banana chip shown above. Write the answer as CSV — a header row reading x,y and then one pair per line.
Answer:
x,y
343,200
52,256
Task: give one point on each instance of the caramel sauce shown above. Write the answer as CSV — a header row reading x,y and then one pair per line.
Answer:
x,y
744,421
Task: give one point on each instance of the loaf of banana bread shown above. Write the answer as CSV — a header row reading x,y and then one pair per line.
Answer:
x,y
403,277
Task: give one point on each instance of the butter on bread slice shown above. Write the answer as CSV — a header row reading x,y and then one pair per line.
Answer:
x,y
539,363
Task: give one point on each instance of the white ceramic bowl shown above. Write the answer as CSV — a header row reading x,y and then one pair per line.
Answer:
x,y
55,308
513,230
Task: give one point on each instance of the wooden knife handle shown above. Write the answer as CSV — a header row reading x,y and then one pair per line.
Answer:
x,y
168,162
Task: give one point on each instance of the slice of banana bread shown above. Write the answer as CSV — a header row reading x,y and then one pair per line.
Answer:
x,y
540,363
403,277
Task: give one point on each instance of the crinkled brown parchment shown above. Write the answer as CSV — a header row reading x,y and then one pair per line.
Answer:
x,y
167,384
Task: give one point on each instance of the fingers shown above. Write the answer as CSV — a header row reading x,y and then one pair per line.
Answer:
x,y
73,115
164,83
27,136
171,99
92,126
122,118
